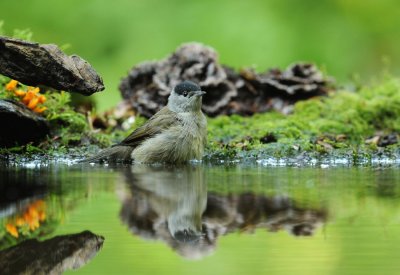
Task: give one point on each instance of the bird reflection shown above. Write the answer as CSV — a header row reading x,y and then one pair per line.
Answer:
x,y
167,203
171,204
185,199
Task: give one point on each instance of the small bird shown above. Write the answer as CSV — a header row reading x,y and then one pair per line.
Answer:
x,y
175,134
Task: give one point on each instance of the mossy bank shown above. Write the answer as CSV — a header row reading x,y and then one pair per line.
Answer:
x,y
355,125
349,124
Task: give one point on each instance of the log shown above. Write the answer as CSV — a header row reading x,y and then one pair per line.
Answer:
x,y
45,64
20,125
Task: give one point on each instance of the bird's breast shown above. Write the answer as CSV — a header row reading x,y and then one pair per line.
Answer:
x,y
191,137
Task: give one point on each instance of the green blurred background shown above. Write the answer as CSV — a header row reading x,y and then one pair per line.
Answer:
x,y
347,38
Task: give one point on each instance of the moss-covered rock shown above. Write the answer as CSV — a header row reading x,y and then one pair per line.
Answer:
x,y
340,123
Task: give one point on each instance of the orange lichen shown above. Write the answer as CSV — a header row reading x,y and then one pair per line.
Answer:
x,y
28,97
39,204
42,99
42,216
40,109
32,104
34,224
20,93
31,97
12,85
19,222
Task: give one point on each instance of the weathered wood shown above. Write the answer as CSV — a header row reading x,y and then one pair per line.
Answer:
x,y
19,125
246,92
35,64
53,256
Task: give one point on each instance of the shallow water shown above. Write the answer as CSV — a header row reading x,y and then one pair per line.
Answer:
x,y
204,219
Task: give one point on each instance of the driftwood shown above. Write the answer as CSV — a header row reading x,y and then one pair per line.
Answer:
x,y
35,64
20,125
53,256
148,85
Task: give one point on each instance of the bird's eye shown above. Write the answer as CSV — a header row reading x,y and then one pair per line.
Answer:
x,y
185,93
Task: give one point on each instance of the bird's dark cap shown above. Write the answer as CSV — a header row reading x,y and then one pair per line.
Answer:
x,y
186,86
187,236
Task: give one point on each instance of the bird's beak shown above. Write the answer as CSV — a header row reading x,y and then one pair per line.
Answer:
x,y
199,93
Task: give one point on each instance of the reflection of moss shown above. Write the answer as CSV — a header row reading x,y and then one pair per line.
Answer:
x,y
34,220
340,122
42,202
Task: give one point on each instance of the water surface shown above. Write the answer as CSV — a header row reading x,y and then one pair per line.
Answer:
x,y
206,219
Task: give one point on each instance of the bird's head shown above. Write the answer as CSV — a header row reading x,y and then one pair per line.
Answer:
x,y
186,97
185,227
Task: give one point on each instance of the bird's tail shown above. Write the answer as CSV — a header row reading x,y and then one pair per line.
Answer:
x,y
117,153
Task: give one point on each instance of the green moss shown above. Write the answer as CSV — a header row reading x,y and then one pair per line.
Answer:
x,y
67,127
337,125
60,113
341,121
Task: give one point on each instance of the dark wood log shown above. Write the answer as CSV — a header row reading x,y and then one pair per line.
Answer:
x,y
20,125
35,64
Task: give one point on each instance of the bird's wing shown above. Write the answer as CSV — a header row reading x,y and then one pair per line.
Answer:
x,y
162,120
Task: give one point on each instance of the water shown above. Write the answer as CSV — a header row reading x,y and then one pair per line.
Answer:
x,y
201,219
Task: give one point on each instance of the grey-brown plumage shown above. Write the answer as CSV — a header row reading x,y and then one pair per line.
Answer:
x,y
175,134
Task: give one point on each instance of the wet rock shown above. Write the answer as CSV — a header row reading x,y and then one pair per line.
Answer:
x,y
148,85
20,125
387,140
45,64
268,138
53,256
373,140
382,140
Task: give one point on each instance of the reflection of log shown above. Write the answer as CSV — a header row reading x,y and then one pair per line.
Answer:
x,y
52,256
35,64
20,125
18,188
148,84
249,211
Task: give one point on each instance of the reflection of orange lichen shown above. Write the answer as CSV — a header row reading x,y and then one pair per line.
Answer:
x,y
19,222
31,97
31,218
12,230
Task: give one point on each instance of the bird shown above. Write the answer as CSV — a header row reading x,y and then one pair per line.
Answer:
x,y
175,134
